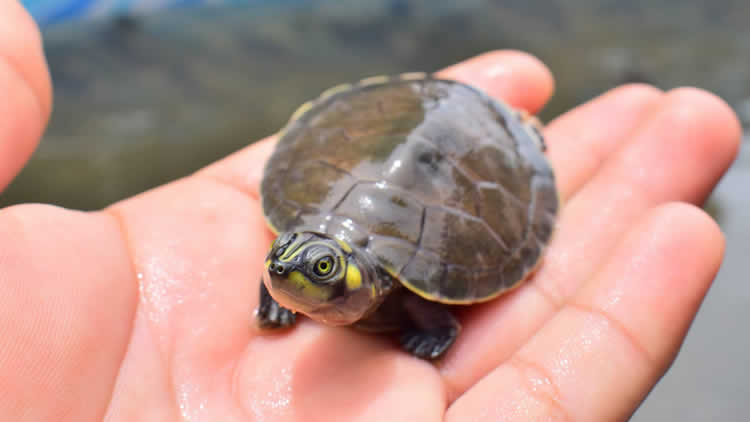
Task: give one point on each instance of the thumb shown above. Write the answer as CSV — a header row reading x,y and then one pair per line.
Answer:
x,y
25,89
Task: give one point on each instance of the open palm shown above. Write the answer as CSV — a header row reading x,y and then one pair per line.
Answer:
x,y
143,311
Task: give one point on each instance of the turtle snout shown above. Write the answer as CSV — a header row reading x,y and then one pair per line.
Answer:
x,y
279,268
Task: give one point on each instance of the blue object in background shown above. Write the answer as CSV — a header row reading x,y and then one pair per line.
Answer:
x,y
47,12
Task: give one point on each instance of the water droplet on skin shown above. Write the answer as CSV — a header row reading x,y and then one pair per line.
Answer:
x,y
276,400
160,291
190,402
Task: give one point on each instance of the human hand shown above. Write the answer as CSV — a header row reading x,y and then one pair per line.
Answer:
x,y
143,311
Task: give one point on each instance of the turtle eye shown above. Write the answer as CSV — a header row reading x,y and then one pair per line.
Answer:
x,y
323,266
321,263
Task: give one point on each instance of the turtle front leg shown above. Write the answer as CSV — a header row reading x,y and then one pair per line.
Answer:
x,y
270,315
433,328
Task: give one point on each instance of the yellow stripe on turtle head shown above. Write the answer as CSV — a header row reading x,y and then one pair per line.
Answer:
x,y
292,250
297,247
345,246
307,287
353,277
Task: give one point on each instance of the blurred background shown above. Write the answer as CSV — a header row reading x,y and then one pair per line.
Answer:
x,y
150,90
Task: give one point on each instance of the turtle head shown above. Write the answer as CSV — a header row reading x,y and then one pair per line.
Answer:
x,y
321,277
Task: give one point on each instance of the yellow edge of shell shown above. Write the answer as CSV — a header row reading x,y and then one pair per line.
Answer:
x,y
301,110
500,292
372,80
333,91
413,76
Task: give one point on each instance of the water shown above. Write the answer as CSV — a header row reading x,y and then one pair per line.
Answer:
x,y
141,101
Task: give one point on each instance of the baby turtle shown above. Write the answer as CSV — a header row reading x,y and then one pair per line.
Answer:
x,y
394,198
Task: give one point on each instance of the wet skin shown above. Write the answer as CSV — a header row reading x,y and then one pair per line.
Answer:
x,y
142,311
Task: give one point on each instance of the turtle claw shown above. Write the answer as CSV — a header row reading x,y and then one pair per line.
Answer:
x,y
432,328
427,344
270,315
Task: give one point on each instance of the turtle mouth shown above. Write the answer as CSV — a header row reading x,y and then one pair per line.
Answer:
x,y
282,290
330,315
289,295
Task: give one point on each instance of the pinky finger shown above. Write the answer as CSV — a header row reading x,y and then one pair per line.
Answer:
x,y
602,353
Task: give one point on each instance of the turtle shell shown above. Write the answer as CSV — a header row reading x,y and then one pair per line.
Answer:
x,y
448,189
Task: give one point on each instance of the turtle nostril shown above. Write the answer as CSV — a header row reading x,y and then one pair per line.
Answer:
x,y
278,268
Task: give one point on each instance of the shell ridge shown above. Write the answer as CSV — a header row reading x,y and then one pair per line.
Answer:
x,y
418,247
526,229
345,195
334,167
493,185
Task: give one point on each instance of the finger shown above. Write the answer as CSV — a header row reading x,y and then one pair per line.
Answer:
x,y
581,140
513,76
63,331
598,357
25,86
678,154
